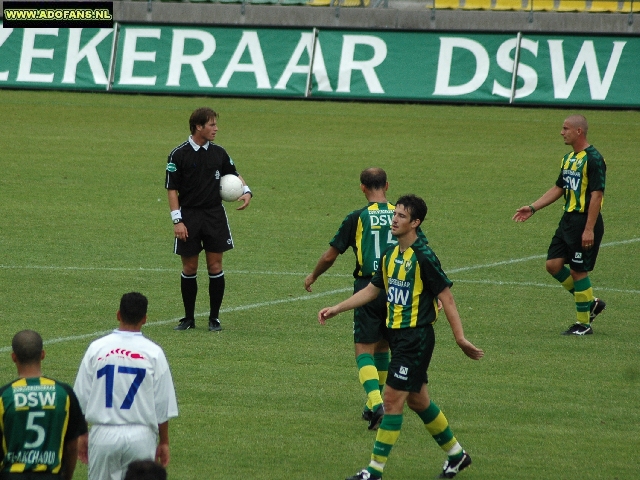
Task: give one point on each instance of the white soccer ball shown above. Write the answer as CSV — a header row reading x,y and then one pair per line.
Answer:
x,y
230,188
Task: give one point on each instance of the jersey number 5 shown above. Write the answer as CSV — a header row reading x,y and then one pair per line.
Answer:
x,y
108,371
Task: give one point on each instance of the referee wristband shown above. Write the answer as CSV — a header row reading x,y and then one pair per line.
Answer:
x,y
246,189
533,210
176,214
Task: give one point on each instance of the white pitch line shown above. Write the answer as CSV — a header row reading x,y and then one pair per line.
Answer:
x,y
311,296
249,272
306,297
541,285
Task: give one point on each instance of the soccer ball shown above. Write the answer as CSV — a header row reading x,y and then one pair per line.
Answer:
x,y
230,188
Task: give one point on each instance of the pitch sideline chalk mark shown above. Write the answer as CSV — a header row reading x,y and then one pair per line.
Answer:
x,y
142,269
175,320
311,296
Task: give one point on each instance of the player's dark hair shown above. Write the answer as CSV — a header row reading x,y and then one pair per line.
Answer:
x,y
373,178
200,117
145,470
133,307
414,205
27,345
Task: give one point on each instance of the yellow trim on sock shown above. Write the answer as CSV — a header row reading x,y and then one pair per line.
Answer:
x,y
438,425
390,437
447,447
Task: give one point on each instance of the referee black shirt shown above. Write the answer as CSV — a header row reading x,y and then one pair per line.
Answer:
x,y
195,173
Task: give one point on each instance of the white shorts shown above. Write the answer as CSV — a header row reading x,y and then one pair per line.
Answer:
x,y
113,447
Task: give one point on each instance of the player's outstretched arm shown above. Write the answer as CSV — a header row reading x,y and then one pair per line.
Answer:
x,y
451,311
325,262
527,211
358,299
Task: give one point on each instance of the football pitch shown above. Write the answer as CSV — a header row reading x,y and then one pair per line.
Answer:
x,y
275,395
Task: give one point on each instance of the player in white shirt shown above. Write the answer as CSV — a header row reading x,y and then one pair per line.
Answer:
x,y
126,392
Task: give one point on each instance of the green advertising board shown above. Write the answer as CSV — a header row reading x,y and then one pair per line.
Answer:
x,y
540,69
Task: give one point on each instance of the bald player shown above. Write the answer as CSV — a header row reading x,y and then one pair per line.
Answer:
x,y
40,419
576,243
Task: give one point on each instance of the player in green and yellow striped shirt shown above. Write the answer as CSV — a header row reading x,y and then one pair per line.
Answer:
x,y
577,240
368,232
40,418
412,278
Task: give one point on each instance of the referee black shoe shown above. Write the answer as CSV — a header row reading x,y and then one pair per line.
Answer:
x,y
186,324
597,307
214,325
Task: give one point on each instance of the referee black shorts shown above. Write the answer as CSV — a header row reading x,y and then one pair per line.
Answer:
x,y
208,230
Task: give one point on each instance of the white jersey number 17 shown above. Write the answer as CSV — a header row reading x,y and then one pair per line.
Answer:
x,y
108,371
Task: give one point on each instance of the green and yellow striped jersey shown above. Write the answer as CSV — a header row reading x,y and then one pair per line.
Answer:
x,y
368,231
580,174
412,279
37,417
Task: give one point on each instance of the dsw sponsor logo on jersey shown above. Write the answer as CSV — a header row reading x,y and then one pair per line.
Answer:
x,y
571,179
398,292
34,399
378,220
398,295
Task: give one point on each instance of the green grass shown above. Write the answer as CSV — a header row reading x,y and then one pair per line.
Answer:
x,y
274,395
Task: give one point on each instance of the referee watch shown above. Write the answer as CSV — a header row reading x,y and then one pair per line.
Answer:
x,y
177,221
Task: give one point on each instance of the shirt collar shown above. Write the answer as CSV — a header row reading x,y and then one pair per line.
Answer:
x,y
197,147
126,332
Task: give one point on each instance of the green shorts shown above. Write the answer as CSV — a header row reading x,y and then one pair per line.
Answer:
x,y
567,242
370,320
411,351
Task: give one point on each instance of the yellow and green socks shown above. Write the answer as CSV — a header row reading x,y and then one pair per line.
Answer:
x,y
386,438
437,425
564,277
369,379
584,298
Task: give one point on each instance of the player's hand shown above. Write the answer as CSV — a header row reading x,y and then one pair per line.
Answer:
x,y
325,314
470,350
83,448
162,454
180,231
522,214
308,282
587,239
245,199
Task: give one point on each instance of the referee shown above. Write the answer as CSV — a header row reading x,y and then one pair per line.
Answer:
x,y
40,419
193,174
